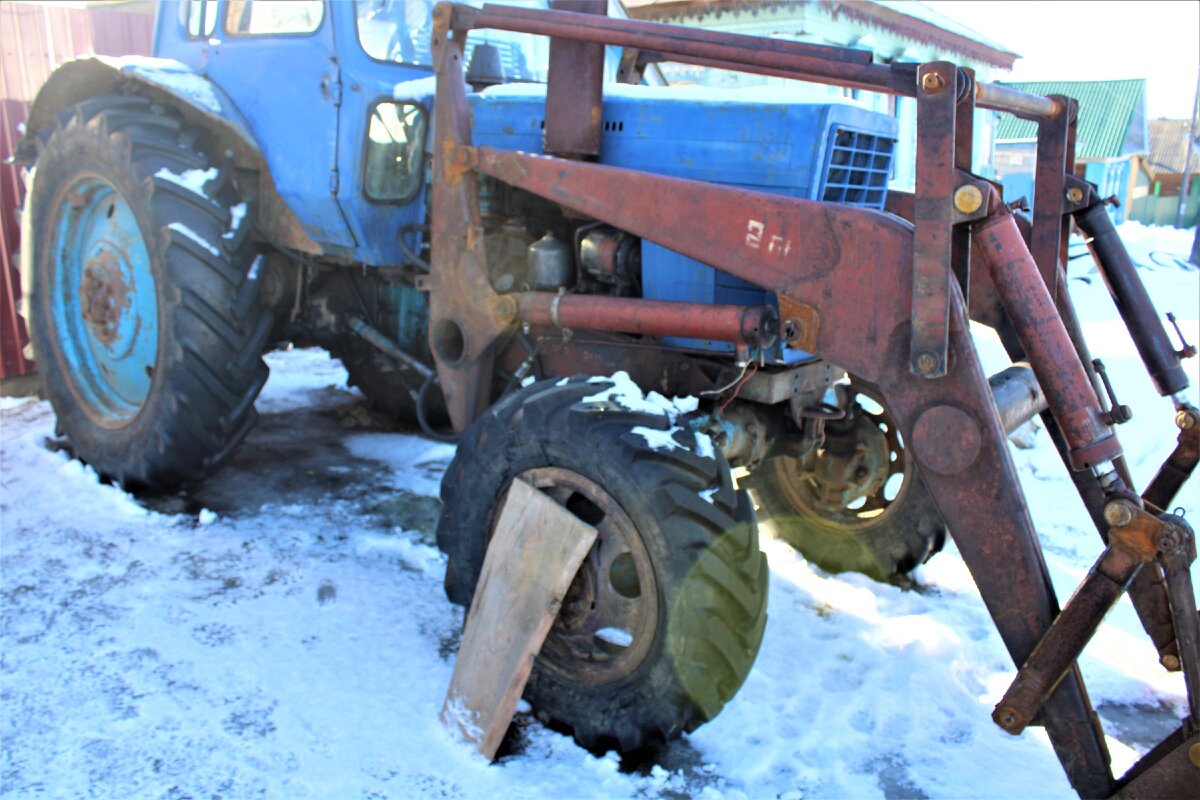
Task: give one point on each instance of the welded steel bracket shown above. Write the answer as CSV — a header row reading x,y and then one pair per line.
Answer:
x,y
1136,537
933,211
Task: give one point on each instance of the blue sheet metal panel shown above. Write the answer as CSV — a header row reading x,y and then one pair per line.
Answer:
x,y
285,88
773,146
376,225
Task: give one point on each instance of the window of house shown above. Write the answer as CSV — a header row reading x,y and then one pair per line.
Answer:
x,y
273,17
395,152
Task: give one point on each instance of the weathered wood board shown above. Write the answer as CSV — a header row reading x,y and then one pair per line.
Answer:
x,y
536,549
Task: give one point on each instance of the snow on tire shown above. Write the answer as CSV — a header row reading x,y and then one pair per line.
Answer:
x,y
662,623
145,312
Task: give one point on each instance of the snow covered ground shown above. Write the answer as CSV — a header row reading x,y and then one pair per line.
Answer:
x,y
281,631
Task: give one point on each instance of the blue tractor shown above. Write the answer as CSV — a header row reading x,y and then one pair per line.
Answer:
x,y
266,178
395,182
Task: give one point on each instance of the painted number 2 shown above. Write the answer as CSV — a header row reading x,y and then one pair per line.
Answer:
x,y
776,245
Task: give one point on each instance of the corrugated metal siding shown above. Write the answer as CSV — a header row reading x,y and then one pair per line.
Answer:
x,y
34,39
1106,110
1168,145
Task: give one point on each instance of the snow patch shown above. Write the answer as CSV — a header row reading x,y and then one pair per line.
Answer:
x,y
206,517
237,213
708,494
172,75
418,556
462,722
626,394
195,237
659,440
618,636
193,180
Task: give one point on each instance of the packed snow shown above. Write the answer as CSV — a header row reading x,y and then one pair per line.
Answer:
x,y
183,229
281,630
194,180
172,75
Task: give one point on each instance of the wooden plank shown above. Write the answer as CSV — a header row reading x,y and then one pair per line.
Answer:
x,y
536,549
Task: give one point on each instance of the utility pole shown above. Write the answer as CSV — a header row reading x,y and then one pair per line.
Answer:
x,y
1186,185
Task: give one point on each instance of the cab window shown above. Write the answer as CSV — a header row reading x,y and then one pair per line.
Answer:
x,y
198,17
395,152
273,17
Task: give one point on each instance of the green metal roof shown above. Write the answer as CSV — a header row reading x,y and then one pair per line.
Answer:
x,y
1106,110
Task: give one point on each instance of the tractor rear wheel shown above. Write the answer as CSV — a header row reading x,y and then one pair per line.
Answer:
x,y
144,305
858,505
664,619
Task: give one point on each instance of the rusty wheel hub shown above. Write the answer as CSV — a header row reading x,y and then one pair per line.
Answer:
x,y
859,475
103,294
610,613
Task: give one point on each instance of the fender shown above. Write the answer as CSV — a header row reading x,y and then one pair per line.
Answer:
x,y
201,103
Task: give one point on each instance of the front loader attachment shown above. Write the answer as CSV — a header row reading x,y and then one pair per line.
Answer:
x,y
884,296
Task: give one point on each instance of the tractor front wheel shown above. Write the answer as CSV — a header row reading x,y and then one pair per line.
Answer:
x,y
664,619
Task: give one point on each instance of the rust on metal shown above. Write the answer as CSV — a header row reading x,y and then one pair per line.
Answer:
x,y
932,265
753,325
801,326
465,321
1049,227
842,66
845,280
1044,337
1140,538
946,439
575,89
459,160
852,270
103,294
1133,302
1171,769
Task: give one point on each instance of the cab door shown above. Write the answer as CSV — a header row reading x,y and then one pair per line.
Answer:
x,y
276,59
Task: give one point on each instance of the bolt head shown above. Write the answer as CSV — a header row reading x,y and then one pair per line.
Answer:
x,y
1118,514
932,82
1185,419
793,329
927,363
1194,754
968,199
1170,662
1074,194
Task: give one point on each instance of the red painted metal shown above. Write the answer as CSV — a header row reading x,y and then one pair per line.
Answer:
x,y
843,279
1133,303
753,325
34,39
1049,224
852,269
1035,317
466,316
575,89
932,268
841,66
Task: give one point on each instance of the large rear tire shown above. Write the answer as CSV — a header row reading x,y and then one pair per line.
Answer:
x,y
662,623
145,313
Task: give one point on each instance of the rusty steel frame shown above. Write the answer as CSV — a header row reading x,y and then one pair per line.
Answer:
x,y
863,289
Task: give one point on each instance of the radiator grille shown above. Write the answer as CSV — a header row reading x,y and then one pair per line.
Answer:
x,y
857,168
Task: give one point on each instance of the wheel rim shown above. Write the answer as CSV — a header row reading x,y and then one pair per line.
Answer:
x,y
609,615
103,300
883,493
